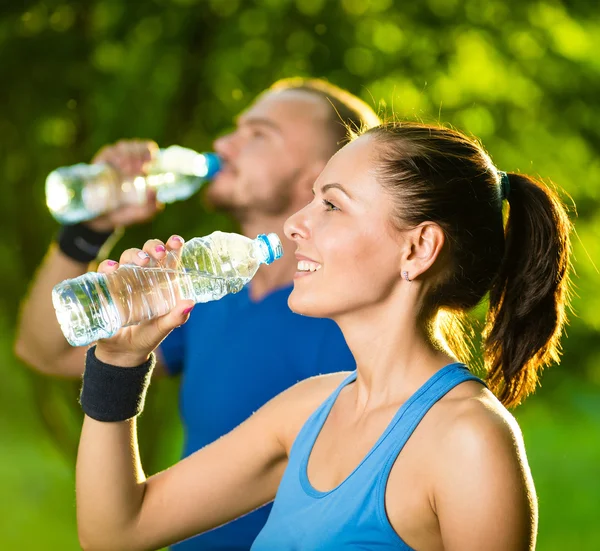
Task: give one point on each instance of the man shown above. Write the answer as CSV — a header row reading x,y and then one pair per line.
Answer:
x,y
237,353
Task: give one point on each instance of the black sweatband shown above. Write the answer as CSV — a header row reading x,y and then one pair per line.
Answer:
x,y
81,243
110,393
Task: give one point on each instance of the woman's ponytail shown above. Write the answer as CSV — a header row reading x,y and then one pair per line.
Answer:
x,y
529,298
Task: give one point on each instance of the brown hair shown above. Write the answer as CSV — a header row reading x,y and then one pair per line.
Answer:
x,y
348,116
439,175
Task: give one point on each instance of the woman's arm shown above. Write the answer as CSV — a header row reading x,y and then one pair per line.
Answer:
x,y
484,492
118,508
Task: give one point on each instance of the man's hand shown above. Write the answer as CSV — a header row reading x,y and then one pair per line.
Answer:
x,y
130,158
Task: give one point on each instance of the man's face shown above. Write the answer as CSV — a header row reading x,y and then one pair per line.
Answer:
x,y
279,142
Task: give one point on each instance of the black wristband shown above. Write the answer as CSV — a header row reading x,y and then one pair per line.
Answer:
x,y
110,393
80,242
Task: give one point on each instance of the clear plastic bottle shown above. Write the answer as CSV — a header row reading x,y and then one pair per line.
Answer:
x,y
82,192
95,306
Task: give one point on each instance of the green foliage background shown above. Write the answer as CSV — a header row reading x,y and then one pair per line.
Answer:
x,y
522,75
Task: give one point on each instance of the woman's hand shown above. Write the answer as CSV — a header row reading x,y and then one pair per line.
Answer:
x,y
132,345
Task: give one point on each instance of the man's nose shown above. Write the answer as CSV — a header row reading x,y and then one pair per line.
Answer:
x,y
225,146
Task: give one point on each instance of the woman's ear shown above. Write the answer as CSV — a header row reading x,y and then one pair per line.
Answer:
x,y
426,242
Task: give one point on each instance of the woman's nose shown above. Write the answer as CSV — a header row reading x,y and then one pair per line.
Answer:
x,y
296,226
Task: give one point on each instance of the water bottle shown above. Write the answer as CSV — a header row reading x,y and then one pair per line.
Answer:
x,y
82,192
95,306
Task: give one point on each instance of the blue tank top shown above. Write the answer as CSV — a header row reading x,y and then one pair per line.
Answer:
x,y
352,516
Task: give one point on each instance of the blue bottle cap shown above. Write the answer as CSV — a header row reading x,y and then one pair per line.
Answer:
x,y
213,164
274,246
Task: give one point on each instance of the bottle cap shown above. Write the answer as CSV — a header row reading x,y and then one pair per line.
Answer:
x,y
213,164
274,246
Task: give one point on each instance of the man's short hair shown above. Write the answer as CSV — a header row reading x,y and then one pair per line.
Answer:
x,y
349,115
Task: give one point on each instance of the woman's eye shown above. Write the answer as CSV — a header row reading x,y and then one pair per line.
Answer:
x,y
329,205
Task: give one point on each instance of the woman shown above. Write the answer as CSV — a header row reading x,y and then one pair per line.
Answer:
x,y
404,236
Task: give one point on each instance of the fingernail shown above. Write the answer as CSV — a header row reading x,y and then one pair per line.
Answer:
x,y
188,310
160,249
111,262
142,255
177,238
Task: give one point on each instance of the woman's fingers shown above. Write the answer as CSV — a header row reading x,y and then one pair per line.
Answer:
x,y
154,253
135,256
176,317
175,242
135,345
147,336
108,266
174,246
155,248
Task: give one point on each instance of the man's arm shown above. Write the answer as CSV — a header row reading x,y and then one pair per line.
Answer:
x,y
40,341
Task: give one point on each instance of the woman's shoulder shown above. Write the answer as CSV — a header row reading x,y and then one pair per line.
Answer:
x,y
307,395
300,401
479,470
475,428
471,408
320,383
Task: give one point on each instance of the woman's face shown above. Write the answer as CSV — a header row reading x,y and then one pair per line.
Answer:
x,y
347,249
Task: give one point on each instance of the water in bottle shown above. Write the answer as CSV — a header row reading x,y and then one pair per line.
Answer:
x,y
95,306
82,192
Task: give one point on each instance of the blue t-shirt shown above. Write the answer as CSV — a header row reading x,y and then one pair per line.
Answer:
x,y
235,355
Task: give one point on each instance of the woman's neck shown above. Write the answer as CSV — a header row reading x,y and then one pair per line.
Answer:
x,y
394,354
